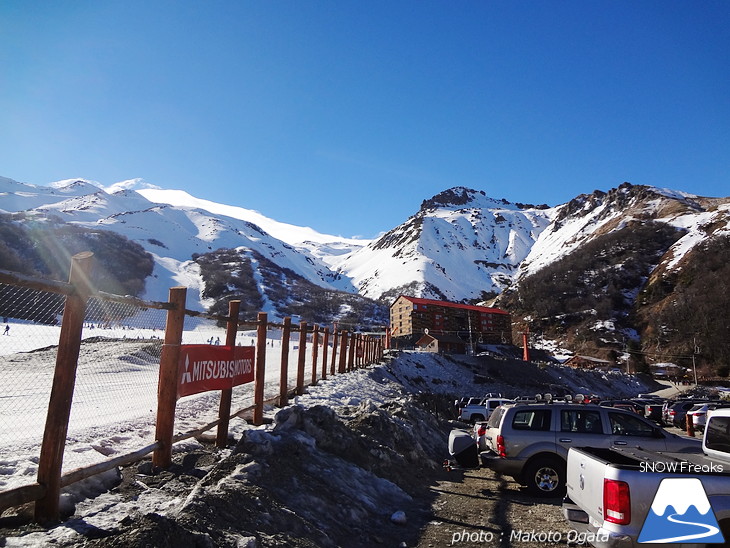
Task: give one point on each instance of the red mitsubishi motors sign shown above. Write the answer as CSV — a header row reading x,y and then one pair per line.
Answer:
x,y
203,367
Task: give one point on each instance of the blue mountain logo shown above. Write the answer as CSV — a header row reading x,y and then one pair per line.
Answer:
x,y
681,512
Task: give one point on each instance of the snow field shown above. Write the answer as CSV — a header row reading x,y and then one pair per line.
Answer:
x,y
115,397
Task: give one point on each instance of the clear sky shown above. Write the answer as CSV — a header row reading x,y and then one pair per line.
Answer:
x,y
344,115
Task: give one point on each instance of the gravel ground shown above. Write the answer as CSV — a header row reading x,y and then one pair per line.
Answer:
x,y
481,508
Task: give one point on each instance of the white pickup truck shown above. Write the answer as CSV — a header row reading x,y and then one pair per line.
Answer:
x,y
480,410
631,497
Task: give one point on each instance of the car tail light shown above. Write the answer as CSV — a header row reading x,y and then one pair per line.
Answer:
x,y
672,412
500,446
698,414
482,430
616,502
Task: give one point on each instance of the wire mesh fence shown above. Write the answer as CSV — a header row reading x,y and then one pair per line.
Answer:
x,y
116,377
115,403
30,332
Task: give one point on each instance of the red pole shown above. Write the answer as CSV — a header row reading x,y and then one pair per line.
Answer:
x,y
525,348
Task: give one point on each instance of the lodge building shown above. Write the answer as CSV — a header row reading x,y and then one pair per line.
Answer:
x,y
454,325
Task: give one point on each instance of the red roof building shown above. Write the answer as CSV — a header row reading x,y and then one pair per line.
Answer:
x,y
413,317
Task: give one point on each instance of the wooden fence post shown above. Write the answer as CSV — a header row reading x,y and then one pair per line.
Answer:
x,y
284,375
167,381
343,352
64,378
302,357
315,353
358,351
334,350
325,349
260,373
224,409
351,357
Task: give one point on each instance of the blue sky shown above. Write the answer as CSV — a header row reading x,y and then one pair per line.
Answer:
x,y
345,115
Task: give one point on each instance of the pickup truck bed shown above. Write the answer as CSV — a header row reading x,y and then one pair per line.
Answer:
x,y
611,493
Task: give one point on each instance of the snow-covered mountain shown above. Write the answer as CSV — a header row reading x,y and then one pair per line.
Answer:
x,y
592,215
173,226
637,272
460,245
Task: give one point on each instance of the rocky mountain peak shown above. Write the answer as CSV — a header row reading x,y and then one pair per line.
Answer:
x,y
460,197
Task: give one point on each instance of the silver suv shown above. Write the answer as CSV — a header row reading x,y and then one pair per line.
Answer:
x,y
530,442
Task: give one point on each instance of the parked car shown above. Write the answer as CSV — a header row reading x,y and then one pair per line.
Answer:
x,y
676,413
628,405
700,411
481,410
530,442
654,412
479,434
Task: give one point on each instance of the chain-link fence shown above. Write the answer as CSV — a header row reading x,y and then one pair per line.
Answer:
x,y
30,332
115,404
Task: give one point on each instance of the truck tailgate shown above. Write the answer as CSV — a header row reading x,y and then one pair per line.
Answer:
x,y
584,482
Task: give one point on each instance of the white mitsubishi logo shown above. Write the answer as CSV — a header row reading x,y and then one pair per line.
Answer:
x,y
186,377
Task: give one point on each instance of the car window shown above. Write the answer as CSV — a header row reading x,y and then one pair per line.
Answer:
x,y
628,425
580,420
718,434
531,419
496,417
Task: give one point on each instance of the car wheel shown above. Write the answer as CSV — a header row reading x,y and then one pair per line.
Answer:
x,y
476,418
545,477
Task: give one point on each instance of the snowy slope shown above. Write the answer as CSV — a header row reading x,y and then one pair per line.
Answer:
x,y
172,234
291,234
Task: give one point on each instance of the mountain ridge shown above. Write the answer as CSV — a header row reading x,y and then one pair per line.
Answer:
x,y
461,245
